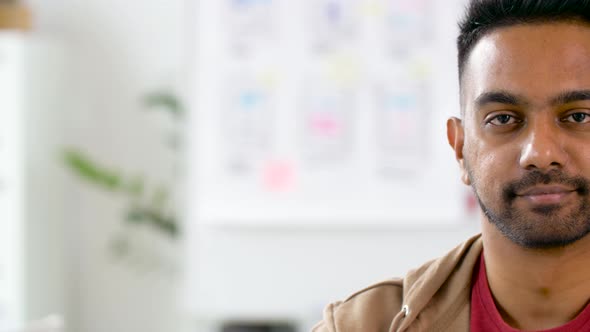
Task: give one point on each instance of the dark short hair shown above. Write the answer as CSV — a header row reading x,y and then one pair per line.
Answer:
x,y
483,16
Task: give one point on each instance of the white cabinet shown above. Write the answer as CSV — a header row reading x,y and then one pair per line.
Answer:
x,y
31,223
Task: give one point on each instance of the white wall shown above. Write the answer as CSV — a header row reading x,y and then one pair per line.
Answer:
x,y
117,51
293,274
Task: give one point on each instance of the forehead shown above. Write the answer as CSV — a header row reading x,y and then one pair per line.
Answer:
x,y
534,60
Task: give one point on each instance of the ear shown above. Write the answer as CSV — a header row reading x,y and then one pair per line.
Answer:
x,y
456,138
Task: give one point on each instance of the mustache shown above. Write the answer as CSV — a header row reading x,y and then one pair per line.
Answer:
x,y
536,177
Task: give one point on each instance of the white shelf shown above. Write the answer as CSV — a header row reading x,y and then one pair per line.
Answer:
x,y
28,165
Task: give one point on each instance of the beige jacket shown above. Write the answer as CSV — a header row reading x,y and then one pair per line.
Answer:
x,y
434,297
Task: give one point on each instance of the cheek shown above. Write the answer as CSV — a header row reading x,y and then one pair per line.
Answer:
x,y
581,159
488,167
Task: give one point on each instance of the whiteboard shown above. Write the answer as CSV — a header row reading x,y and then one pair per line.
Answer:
x,y
324,112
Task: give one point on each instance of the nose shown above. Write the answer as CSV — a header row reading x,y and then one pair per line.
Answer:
x,y
543,147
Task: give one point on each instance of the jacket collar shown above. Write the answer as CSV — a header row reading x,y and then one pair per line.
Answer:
x,y
436,292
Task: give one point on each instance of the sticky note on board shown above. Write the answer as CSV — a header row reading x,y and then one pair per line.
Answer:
x,y
278,176
325,124
343,69
372,8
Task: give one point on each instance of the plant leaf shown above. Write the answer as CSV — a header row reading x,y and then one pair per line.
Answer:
x,y
165,100
91,171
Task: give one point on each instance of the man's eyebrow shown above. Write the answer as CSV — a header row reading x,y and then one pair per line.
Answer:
x,y
570,97
501,97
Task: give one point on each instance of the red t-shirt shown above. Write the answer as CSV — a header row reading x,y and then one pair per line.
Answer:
x,y
486,318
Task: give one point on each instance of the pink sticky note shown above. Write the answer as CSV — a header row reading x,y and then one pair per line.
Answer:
x,y
278,176
325,125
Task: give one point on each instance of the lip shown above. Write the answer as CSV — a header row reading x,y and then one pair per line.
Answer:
x,y
546,190
547,194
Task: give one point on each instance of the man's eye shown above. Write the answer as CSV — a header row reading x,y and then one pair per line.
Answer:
x,y
577,118
502,119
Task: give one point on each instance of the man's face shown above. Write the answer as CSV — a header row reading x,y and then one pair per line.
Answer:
x,y
524,142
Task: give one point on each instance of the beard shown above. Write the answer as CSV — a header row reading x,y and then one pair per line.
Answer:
x,y
542,227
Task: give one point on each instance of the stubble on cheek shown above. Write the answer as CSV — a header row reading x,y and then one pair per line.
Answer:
x,y
543,226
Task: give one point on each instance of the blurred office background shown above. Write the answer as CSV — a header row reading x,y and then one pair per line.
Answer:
x,y
220,165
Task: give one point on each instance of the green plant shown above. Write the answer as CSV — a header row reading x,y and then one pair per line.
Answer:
x,y
152,211
147,204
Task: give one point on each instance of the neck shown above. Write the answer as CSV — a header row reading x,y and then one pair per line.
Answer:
x,y
536,289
